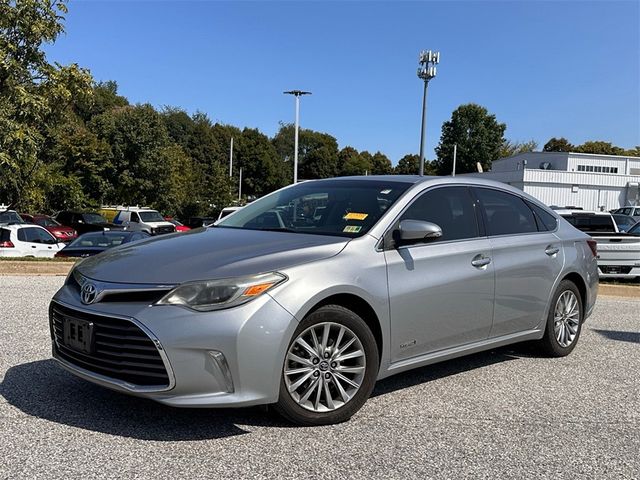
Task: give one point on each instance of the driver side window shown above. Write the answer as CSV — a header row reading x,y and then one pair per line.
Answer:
x,y
451,208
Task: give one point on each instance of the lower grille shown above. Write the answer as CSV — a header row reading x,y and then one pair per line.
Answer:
x,y
163,230
119,348
616,269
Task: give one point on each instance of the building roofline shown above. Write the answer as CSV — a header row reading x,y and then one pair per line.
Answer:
x,y
568,153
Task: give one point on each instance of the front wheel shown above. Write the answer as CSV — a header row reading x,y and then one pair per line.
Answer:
x,y
564,321
330,368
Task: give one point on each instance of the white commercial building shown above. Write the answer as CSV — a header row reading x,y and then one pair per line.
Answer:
x,y
593,182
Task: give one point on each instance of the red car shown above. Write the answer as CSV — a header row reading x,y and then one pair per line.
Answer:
x,y
179,227
62,233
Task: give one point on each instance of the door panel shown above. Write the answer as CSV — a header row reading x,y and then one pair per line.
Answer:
x,y
438,299
526,257
526,269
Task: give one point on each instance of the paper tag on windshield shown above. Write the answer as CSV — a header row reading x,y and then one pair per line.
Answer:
x,y
352,229
355,216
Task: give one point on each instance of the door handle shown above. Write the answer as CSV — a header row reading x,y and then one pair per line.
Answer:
x,y
480,261
33,246
551,250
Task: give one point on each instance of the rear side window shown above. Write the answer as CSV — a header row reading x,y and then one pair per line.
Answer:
x,y
546,221
506,214
451,208
591,223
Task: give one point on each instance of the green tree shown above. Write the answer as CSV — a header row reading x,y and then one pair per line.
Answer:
x,y
558,145
351,162
633,152
599,147
317,152
33,93
478,135
510,148
380,164
262,170
135,135
410,165
104,97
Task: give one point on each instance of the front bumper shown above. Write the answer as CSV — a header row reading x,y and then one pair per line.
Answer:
x,y
225,358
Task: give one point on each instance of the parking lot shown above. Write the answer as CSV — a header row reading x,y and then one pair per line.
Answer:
x,y
500,414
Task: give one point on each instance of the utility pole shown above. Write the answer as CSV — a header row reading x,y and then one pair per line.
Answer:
x,y
455,151
231,159
240,185
427,61
297,94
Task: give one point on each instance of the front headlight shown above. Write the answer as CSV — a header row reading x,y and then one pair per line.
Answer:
x,y
208,295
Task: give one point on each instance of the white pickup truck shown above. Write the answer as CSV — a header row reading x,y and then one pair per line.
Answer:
x,y
618,253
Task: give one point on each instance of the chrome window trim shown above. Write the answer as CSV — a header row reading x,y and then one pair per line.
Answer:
x,y
114,382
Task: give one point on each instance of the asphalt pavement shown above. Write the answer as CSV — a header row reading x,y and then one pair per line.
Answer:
x,y
501,414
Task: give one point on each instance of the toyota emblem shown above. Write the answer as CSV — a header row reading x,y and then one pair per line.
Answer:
x,y
89,293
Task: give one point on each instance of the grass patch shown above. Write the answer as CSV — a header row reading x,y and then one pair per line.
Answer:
x,y
34,259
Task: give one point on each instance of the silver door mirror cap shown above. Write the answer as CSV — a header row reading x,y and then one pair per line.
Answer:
x,y
417,231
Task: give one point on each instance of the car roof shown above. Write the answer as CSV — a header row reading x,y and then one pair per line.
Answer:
x,y
567,211
18,226
109,233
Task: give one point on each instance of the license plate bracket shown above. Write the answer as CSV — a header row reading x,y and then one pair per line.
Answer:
x,y
78,334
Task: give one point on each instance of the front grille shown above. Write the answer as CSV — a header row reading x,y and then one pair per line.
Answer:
x,y
121,350
163,230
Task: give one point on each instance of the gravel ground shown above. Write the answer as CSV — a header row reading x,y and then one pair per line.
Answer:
x,y
500,414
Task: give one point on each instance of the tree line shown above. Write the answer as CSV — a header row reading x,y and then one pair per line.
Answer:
x,y
69,142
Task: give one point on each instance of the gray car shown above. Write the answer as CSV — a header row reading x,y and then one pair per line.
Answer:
x,y
306,297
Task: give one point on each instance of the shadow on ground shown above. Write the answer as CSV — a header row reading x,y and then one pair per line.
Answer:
x,y
619,336
44,390
451,367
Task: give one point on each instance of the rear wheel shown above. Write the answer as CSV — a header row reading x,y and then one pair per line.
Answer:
x,y
564,321
330,368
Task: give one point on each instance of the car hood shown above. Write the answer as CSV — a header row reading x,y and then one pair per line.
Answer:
x,y
203,254
61,228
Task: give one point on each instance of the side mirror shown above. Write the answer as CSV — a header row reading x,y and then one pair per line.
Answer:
x,y
416,231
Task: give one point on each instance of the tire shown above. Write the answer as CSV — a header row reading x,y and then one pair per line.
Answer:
x,y
330,372
554,343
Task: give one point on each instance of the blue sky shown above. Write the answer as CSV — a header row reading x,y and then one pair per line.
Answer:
x,y
544,68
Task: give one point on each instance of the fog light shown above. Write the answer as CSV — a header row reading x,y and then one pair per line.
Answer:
x,y
221,370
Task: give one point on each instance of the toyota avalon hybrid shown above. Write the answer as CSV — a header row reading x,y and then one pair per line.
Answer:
x,y
306,297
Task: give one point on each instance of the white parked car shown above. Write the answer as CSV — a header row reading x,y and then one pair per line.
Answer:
x,y
226,211
27,240
142,219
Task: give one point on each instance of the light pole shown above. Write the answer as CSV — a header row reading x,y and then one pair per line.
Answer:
x,y
427,61
297,94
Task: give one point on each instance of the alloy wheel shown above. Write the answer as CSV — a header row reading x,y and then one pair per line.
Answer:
x,y
566,318
325,367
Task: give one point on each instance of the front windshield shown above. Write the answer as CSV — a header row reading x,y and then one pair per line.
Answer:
x,y
104,240
150,216
10,217
93,218
46,222
347,208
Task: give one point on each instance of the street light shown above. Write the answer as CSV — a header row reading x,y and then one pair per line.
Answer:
x,y
297,94
426,71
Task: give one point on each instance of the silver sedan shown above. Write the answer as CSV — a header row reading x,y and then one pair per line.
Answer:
x,y
306,297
